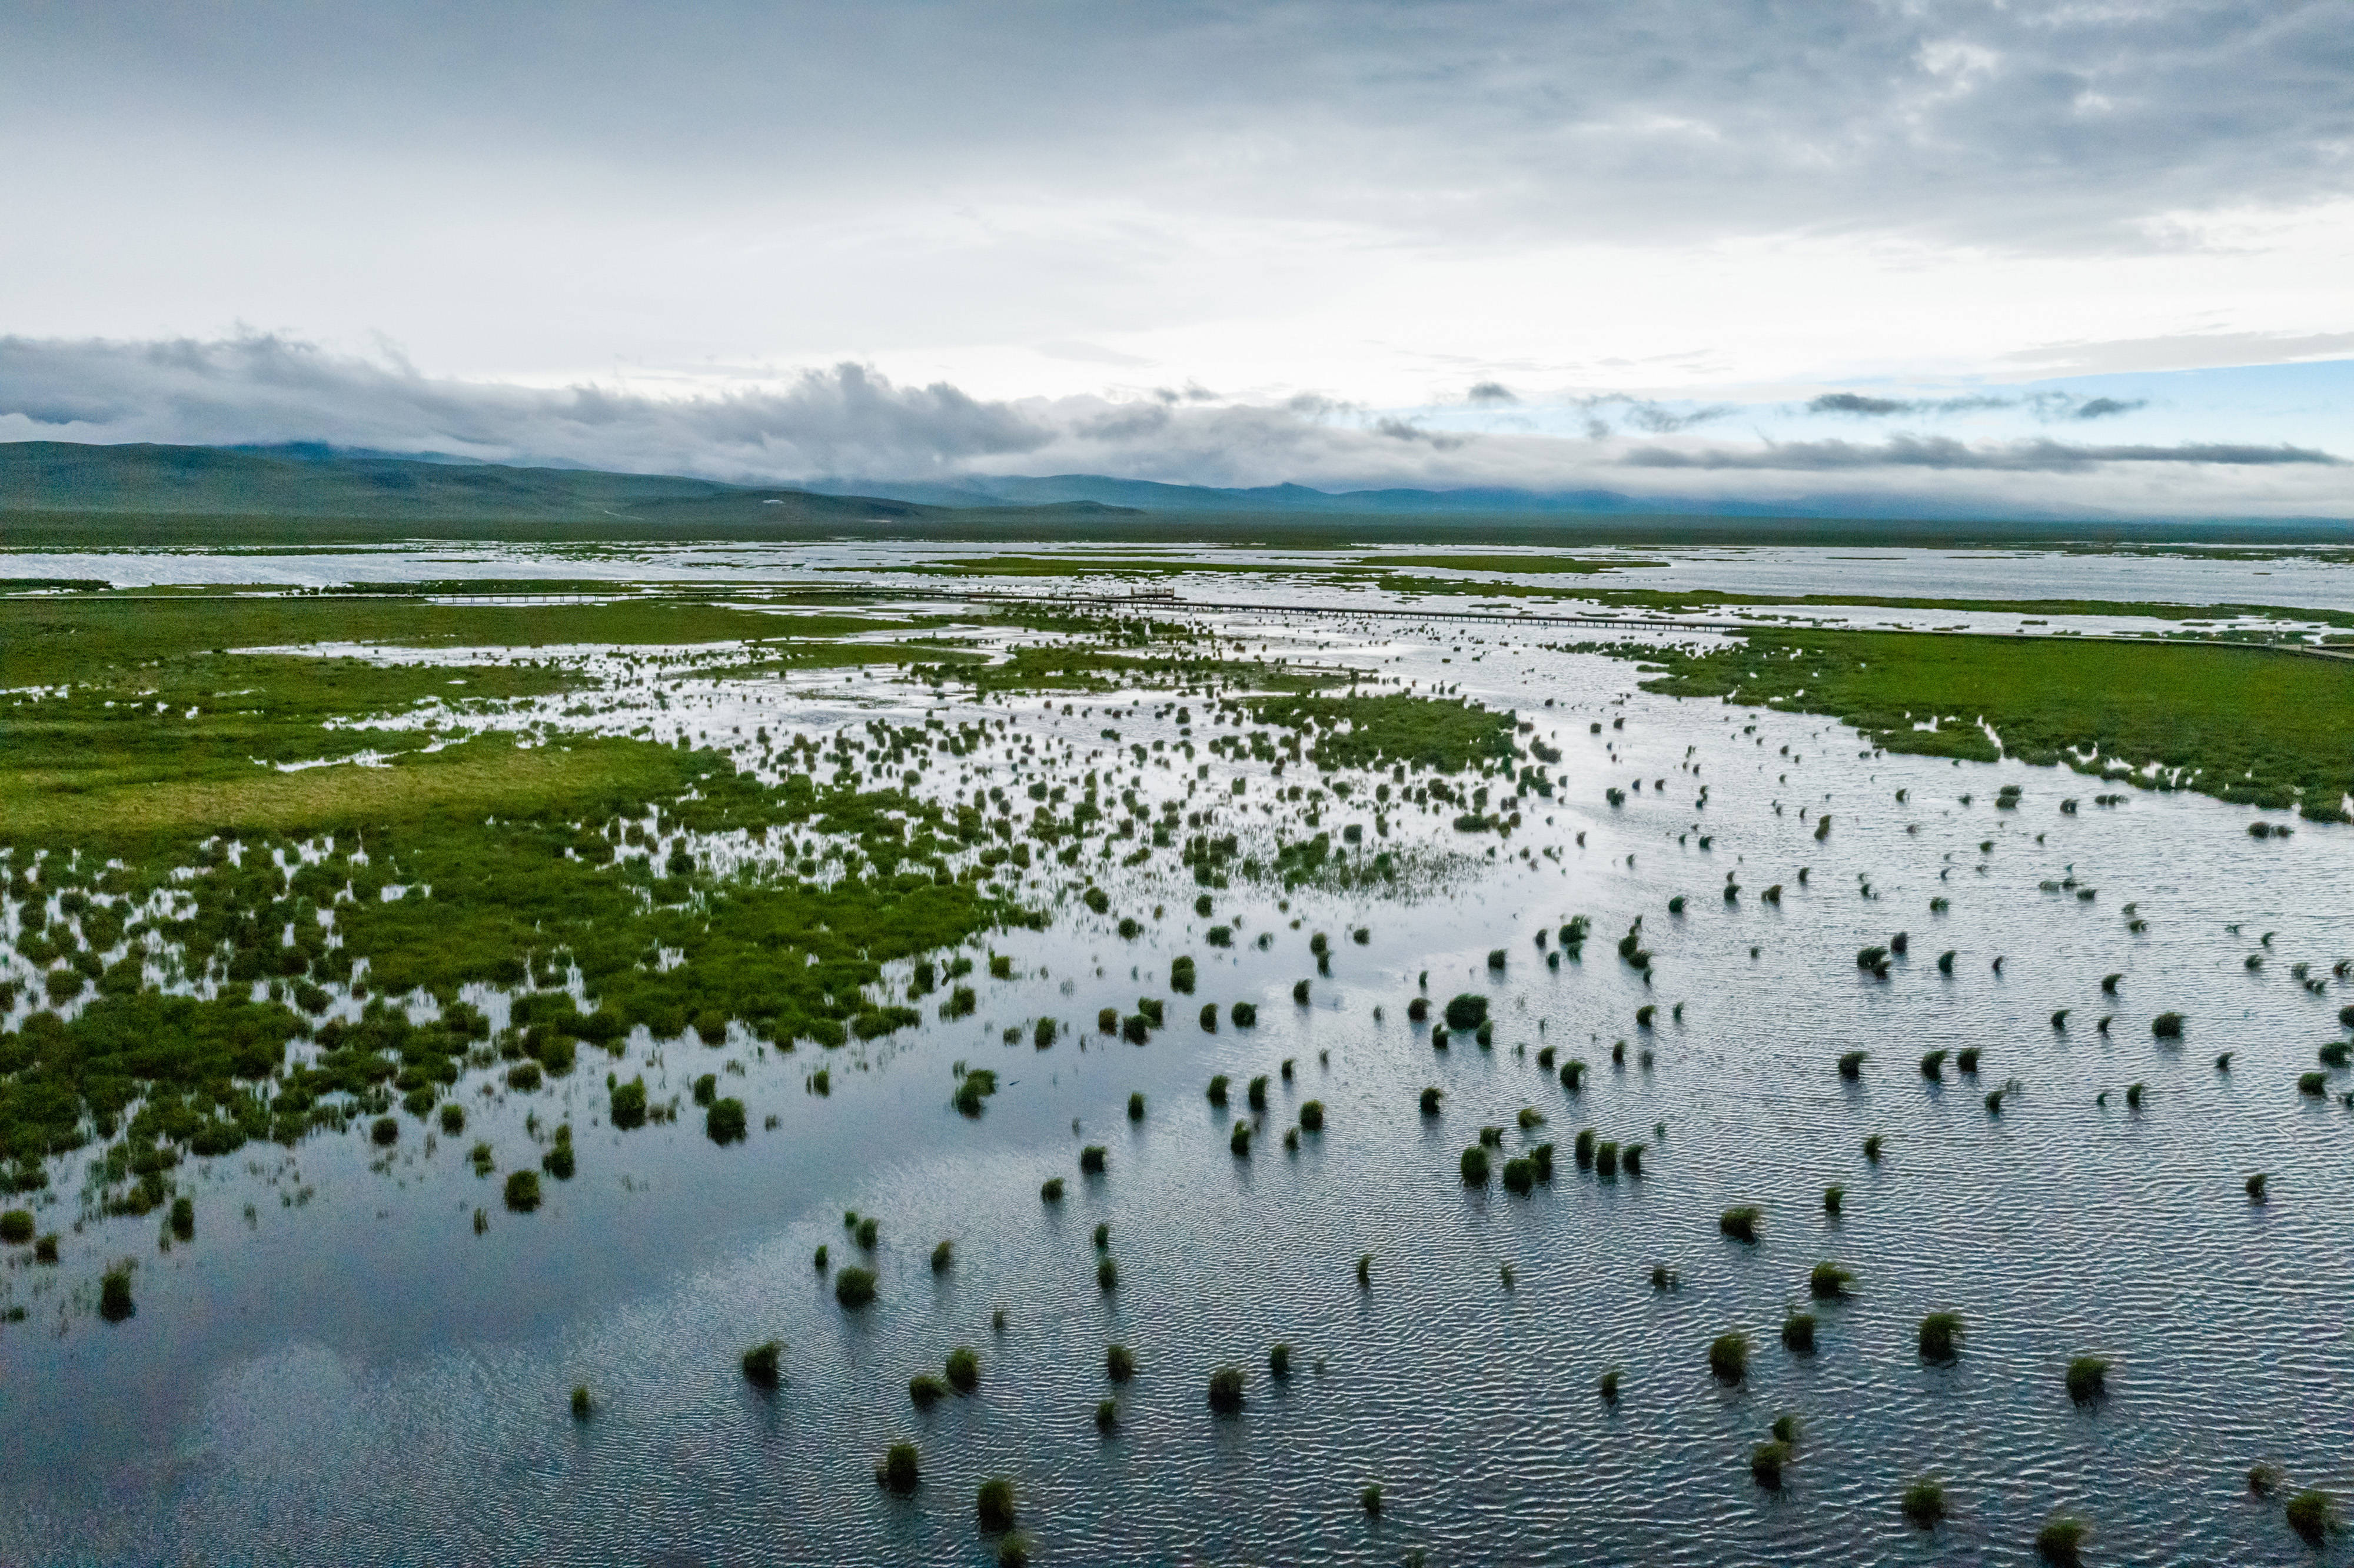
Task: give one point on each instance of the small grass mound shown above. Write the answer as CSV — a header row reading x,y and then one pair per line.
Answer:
x,y
853,1287
899,1470
762,1364
1226,1390
1924,1503
993,1505
2087,1378
1728,1357
1740,1224
1940,1336
2060,1542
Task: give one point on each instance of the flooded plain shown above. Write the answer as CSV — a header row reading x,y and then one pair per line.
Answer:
x,y
345,1364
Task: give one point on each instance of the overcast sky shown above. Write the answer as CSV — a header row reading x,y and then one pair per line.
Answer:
x,y
1916,248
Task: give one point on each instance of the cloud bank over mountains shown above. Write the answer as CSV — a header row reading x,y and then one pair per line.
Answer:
x,y
848,423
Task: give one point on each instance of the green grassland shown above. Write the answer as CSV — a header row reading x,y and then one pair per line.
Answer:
x,y
2246,724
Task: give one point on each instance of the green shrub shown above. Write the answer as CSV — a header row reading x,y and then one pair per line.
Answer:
x,y
853,1287
114,1303
1466,1012
924,1391
2311,1516
943,1258
1312,1115
993,1505
581,1405
1940,1334
761,1364
725,1121
2062,1542
523,1191
1226,1390
1924,1503
899,1469
1766,1463
1728,1357
1798,1333
963,1369
16,1226
1740,1224
2087,1378
1243,1014
1092,1158
1119,1363
1218,1090
1474,1165
1829,1282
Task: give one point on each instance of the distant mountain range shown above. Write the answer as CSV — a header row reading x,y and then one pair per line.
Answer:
x,y
59,490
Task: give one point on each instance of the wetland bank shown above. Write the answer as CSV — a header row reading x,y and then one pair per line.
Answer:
x,y
758,1074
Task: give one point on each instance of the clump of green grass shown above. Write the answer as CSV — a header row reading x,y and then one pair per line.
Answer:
x,y
1107,1275
725,1121
1102,1234
582,1405
114,1303
1573,1075
1107,1417
1217,1090
1728,1357
1431,1096
1226,1390
1520,1177
1581,1148
1312,1115
1119,1363
1605,1160
1136,1107
1851,1064
1834,1199
1631,1160
1050,1190
853,1287
762,1364
1766,1464
993,1505
1278,1362
1829,1282
2312,1516
1872,1146
925,1390
2062,1541
2166,1026
1740,1223
1092,1160
866,1231
1243,1014
2256,1185
16,1226
1940,1336
1798,1333
962,1368
1924,1503
1370,1499
1933,1065
2087,1378
523,1191
943,1258
1238,1139
899,1470
1474,1165
1607,1386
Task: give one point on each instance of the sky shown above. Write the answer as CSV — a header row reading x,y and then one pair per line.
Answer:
x,y
2080,256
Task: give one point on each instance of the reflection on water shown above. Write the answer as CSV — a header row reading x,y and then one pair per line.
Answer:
x,y
359,1378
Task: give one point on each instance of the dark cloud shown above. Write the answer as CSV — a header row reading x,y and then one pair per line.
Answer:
x,y
2045,405
1942,452
2026,125
266,389
1492,392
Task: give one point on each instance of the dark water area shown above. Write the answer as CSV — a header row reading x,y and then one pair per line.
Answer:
x,y
356,1377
